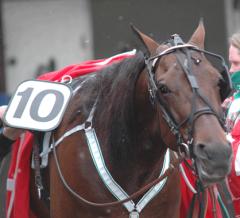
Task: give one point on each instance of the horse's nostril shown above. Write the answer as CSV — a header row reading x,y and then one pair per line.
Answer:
x,y
201,150
201,146
218,151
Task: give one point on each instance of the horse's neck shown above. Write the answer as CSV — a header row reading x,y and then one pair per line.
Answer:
x,y
144,157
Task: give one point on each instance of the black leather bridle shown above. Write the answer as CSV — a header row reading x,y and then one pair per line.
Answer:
x,y
183,55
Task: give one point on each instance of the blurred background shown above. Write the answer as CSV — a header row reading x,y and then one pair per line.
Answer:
x,y
38,36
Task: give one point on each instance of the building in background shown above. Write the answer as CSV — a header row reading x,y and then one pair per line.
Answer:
x,y
43,35
232,16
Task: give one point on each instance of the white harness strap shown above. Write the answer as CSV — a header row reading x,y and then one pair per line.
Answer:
x,y
193,190
47,136
113,186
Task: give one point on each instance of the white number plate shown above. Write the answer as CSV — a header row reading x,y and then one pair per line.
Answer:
x,y
38,105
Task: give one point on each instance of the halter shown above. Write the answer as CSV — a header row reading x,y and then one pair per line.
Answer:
x,y
182,53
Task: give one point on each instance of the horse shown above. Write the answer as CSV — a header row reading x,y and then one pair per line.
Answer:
x,y
126,125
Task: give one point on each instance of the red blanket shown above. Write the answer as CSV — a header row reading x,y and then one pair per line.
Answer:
x,y
19,172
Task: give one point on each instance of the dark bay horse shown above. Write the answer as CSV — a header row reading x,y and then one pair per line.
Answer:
x,y
125,122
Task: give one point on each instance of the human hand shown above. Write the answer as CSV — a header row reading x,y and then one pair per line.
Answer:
x,y
9,132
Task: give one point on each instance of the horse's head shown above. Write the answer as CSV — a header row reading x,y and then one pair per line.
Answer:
x,y
189,84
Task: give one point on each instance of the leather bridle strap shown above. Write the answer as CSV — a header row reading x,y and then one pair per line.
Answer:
x,y
198,206
214,203
184,59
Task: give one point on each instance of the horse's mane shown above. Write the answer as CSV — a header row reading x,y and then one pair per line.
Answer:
x,y
113,87
116,109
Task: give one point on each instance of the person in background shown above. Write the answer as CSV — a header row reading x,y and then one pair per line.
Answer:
x,y
234,53
232,108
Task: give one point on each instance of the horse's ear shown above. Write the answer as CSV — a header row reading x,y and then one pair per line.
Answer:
x,y
149,44
198,36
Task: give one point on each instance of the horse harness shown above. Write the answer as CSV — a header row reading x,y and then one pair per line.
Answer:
x,y
152,189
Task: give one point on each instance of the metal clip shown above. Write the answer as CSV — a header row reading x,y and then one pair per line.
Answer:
x,y
134,214
39,189
152,96
185,152
177,39
66,79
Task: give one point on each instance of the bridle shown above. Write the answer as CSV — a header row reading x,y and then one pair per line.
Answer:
x,y
183,55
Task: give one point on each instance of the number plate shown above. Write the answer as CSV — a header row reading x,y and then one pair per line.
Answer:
x,y
37,105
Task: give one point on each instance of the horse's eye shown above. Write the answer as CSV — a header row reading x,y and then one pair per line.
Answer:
x,y
196,61
163,88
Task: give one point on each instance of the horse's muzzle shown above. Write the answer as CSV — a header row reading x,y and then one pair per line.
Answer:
x,y
213,161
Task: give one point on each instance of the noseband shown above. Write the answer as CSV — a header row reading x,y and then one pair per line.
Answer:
x,y
182,53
